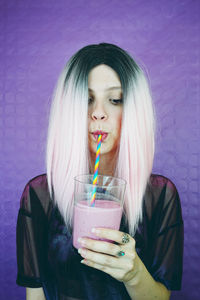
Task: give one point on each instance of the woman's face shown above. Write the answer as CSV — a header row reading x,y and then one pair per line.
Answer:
x,y
104,108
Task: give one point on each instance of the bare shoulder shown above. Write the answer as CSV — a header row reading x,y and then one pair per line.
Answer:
x,y
35,294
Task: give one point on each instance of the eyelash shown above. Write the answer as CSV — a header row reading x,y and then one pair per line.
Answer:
x,y
118,101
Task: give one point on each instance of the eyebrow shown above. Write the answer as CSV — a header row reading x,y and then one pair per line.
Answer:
x,y
108,89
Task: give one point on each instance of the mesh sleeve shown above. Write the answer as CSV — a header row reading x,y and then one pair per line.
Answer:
x,y
31,241
167,245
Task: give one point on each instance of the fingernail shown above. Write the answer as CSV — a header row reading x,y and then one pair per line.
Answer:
x,y
81,241
95,230
82,261
82,252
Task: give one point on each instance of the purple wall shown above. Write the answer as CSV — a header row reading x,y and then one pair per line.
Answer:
x,y
36,39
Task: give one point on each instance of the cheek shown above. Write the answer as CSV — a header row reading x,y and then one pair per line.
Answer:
x,y
118,120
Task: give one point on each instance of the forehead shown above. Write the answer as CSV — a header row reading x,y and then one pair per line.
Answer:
x,y
104,78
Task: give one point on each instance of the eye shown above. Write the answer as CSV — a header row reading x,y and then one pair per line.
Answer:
x,y
116,101
90,100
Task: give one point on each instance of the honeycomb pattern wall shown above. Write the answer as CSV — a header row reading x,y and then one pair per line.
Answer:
x,y
37,38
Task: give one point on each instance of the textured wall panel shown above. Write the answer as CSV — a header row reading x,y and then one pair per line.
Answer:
x,y
36,39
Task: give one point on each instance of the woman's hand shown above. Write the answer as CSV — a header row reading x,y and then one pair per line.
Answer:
x,y
104,256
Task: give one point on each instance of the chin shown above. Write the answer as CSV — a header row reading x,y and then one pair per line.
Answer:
x,y
105,149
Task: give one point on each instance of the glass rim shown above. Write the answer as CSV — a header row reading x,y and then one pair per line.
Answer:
x,y
123,181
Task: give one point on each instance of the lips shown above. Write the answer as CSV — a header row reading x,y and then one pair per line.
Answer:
x,y
95,134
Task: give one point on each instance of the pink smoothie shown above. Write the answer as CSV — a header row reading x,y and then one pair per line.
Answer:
x,y
104,214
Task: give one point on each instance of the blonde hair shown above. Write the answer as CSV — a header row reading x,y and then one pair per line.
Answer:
x,y
67,141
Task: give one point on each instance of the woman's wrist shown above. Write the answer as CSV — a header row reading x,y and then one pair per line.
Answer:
x,y
137,273
142,285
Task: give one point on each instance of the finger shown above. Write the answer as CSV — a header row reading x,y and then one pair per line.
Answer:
x,y
100,246
99,258
100,267
106,260
107,248
114,235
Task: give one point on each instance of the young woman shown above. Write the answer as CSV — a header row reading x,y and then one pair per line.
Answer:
x,y
100,89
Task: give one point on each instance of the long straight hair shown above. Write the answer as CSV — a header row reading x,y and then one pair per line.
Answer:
x,y
67,153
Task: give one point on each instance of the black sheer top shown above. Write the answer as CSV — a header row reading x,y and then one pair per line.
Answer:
x,y
46,257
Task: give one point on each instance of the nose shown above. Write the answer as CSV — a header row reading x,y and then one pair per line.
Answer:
x,y
98,113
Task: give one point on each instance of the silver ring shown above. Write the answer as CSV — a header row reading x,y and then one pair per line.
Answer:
x,y
125,238
120,253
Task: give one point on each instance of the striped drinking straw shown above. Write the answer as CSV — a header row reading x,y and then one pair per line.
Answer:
x,y
96,168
